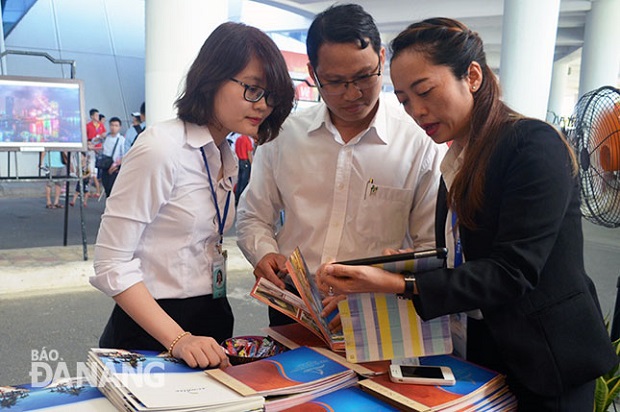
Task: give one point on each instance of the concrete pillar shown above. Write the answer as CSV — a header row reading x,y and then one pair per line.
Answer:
x,y
559,81
600,57
528,44
175,31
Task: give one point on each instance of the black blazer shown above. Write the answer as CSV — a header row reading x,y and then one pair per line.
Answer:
x,y
524,267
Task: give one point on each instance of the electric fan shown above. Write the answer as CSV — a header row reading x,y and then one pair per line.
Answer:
x,y
595,136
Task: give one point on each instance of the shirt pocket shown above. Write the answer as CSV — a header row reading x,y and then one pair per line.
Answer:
x,y
383,215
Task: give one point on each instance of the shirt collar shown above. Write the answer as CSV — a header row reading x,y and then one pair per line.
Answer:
x,y
452,163
199,136
376,132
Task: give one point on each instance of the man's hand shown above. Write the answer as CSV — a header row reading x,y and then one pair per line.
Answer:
x,y
272,267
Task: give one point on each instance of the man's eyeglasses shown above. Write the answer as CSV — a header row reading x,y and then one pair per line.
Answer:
x,y
340,87
255,93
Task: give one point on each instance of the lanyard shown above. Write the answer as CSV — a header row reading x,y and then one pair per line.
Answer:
x,y
221,220
458,250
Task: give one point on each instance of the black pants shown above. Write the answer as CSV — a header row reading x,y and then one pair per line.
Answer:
x,y
243,178
108,180
201,315
481,349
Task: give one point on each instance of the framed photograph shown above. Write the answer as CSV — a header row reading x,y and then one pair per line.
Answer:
x,y
41,114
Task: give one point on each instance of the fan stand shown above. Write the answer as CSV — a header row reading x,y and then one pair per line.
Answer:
x,y
615,324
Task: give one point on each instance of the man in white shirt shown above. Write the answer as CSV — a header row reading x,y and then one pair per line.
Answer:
x,y
138,126
113,146
354,175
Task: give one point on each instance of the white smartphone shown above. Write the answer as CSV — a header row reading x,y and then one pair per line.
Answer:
x,y
422,375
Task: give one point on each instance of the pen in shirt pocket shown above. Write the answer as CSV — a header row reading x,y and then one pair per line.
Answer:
x,y
371,188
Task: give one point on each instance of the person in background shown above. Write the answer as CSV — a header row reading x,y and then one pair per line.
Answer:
x,y
95,132
159,246
512,222
354,174
244,148
52,161
114,146
138,125
85,183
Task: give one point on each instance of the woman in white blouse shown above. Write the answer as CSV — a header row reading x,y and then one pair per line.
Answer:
x,y
160,238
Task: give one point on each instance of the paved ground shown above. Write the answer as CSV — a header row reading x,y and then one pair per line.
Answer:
x,y
45,299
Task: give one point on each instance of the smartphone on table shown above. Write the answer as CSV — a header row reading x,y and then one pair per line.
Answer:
x,y
422,375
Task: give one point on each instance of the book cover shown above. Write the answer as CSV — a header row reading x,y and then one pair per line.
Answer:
x,y
294,371
379,326
473,384
148,380
350,399
71,394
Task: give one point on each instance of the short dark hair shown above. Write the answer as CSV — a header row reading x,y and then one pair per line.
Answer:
x,y
92,111
345,23
143,109
115,119
101,116
224,54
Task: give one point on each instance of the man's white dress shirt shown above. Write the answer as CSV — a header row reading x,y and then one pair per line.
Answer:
x,y
341,200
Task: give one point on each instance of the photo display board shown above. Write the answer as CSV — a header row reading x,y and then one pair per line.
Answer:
x,y
41,114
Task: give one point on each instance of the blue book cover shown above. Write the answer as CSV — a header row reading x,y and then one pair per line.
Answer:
x,y
289,372
350,399
71,394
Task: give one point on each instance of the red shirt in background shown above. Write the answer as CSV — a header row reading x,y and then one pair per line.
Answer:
x,y
243,146
93,131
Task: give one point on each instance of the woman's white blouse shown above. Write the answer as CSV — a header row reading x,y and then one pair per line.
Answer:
x,y
160,225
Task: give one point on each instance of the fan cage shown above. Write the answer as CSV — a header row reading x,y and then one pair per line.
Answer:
x,y
594,133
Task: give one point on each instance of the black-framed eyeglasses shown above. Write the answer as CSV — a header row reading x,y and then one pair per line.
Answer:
x,y
340,87
255,93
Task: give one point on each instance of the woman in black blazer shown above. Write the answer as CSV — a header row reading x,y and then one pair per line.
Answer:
x,y
513,227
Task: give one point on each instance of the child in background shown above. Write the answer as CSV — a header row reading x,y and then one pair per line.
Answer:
x,y
85,181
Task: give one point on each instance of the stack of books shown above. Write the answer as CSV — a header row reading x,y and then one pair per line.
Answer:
x,y
150,381
287,379
476,389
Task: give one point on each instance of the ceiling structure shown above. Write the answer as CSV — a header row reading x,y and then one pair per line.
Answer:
x,y
482,16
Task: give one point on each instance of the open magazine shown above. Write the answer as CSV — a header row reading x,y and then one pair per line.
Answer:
x,y
306,308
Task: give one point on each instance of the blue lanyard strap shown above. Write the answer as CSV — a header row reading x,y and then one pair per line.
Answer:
x,y
220,221
458,250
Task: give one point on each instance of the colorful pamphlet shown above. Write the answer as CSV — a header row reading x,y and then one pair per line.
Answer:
x,y
379,326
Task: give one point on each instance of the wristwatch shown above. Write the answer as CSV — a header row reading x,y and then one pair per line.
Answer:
x,y
410,286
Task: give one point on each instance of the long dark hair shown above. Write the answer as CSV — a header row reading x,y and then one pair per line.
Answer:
x,y
226,52
450,43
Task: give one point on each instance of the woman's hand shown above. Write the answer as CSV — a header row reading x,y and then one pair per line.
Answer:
x,y
342,279
330,304
200,351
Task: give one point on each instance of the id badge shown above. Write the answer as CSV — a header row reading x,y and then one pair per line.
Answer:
x,y
219,275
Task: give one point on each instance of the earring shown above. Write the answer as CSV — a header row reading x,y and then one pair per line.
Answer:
x,y
473,88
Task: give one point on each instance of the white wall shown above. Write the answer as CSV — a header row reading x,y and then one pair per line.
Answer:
x,y
106,40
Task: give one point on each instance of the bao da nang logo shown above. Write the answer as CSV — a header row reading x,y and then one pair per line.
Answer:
x,y
107,366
